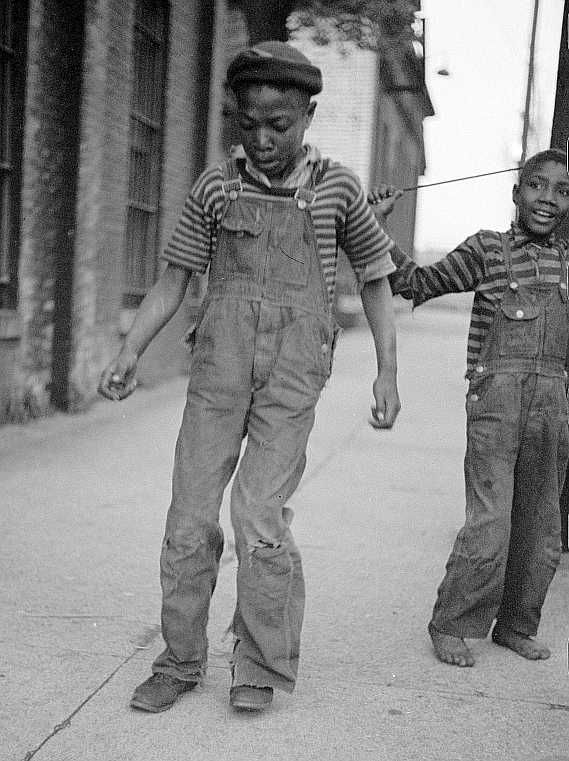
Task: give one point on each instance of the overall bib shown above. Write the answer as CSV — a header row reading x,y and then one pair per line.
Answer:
x,y
262,353
505,556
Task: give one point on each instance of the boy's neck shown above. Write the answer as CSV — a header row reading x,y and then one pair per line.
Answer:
x,y
295,176
520,232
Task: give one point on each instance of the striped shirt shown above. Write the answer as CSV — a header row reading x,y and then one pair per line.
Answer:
x,y
478,265
340,214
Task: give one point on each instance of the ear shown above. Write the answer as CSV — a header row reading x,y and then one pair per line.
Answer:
x,y
310,112
515,194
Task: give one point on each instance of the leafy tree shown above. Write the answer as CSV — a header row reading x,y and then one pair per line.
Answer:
x,y
369,23
366,22
266,19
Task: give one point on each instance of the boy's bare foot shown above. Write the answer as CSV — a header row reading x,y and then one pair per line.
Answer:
x,y
520,643
451,649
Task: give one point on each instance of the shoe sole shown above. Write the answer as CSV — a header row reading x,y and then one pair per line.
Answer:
x,y
242,704
148,707
250,707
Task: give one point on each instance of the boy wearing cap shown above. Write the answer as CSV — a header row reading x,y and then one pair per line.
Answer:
x,y
268,223
505,556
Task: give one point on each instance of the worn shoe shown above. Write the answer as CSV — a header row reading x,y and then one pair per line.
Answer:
x,y
248,698
159,692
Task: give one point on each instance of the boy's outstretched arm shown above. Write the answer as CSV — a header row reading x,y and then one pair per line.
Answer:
x,y
460,270
158,306
378,307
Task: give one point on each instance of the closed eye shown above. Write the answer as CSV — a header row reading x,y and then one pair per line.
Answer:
x,y
280,126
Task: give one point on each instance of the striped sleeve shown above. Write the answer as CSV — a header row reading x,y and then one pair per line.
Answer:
x,y
193,238
364,241
459,271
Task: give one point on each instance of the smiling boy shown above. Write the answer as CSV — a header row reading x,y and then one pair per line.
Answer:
x,y
268,226
505,556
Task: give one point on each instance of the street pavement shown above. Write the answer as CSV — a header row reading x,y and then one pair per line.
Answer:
x,y
83,506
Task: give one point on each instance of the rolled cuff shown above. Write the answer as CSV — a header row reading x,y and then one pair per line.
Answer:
x,y
199,267
381,267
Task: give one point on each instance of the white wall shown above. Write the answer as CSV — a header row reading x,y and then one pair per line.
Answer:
x,y
343,124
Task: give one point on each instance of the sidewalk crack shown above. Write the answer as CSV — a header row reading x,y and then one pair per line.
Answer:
x,y
143,642
332,454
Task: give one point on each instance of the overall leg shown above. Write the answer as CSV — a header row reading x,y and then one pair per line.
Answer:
x,y
471,591
535,543
207,452
270,584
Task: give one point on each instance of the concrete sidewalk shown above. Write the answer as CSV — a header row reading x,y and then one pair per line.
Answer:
x,y
83,507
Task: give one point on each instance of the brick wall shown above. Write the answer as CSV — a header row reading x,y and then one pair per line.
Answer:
x,y
102,193
82,234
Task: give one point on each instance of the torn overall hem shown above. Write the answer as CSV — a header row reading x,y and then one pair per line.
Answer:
x,y
247,673
471,631
524,631
481,632
196,676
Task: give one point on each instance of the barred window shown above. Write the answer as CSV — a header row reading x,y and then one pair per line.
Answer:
x,y
146,132
13,29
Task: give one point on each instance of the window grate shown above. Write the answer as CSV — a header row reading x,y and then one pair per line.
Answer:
x,y
146,134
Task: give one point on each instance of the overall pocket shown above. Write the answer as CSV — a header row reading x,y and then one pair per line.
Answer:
x,y
239,240
490,395
519,326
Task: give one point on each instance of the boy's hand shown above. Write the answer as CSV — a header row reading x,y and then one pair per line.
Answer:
x,y
117,379
387,404
383,199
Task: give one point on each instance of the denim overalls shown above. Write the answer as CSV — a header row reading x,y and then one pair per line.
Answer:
x,y
505,556
262,354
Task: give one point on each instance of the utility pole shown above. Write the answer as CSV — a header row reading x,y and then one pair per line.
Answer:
x,y
529,87
560,127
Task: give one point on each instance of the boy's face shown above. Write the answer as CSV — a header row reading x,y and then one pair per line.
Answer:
x,y
271,126
542,198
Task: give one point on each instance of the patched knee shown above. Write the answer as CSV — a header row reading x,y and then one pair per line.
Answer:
x,y
188,541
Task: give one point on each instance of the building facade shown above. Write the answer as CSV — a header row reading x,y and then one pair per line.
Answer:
x,y
109,110
103,124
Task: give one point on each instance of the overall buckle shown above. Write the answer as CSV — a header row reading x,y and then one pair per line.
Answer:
x,y
304,197
232,188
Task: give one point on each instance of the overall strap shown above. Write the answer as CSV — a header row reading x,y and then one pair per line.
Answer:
x,y
318,173
507,252
306,195
232,184
564,272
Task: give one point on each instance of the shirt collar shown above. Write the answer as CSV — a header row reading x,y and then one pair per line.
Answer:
x,y
299,176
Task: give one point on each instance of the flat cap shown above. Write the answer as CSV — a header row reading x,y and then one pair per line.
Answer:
x,y
276,63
